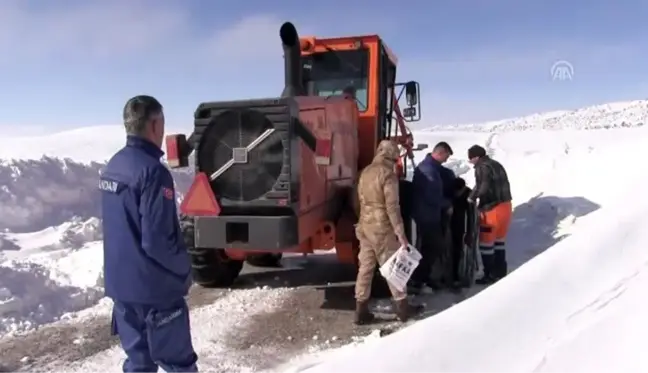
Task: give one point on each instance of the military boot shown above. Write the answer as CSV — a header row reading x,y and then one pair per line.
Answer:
x,y
500,265
405,310
489,275
362,314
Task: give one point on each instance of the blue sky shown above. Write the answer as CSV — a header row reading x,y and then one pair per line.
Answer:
x,y
73,63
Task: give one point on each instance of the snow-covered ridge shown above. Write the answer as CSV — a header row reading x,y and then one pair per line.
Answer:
x,y
612,115
82,145
36,194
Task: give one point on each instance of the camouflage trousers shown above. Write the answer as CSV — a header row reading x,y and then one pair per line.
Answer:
x,y
370,257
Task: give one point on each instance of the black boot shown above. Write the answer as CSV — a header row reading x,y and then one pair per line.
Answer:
x,y
488,277
405,310
362,314
500,266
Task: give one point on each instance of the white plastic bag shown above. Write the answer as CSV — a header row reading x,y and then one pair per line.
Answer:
x,y
398,269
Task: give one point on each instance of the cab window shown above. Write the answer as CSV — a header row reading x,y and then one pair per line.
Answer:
x,y
337,72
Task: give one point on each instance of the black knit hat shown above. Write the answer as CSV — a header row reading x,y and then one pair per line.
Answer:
x,y
476,151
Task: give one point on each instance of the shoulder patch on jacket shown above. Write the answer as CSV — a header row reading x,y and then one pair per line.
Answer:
x,y
111,186
168,193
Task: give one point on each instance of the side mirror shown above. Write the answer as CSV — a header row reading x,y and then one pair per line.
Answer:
x,y
411,93
412,110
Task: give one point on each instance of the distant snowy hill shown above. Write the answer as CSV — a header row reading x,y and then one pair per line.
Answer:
x,y
612,115
48,180
36,194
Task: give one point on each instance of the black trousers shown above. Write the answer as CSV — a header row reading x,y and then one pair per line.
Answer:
x,y
430,243
456,251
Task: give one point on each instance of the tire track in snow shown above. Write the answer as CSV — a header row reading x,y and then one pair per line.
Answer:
x,y
88,333
250,327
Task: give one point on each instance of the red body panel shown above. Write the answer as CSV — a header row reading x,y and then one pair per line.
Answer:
x,y
334,118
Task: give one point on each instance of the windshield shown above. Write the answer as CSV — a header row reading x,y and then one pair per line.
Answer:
x,y
338,72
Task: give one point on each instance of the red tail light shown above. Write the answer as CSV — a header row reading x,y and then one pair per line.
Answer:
x,y
200,199
176,151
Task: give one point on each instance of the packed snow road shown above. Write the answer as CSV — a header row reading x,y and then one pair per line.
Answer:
x,y
268,317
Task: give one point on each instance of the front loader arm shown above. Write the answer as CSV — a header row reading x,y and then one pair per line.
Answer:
x,y
405,137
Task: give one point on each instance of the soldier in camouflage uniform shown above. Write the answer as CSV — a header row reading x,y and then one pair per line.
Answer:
x,y
380,229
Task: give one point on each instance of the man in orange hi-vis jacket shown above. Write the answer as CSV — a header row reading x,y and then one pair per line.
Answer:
x,y
493,190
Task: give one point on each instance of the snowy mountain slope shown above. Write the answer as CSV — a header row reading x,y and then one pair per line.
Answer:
x,y
71,235
579,305
36,194
612,115
47,180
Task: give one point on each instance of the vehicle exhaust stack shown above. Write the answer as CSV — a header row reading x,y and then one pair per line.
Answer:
x,y
292,61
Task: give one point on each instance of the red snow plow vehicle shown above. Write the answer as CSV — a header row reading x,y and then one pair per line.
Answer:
x,y
276,175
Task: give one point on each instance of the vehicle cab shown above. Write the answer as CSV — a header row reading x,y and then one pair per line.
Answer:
x,y
364,68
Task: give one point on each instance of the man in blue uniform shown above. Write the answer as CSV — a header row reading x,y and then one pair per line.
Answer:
x,y
146,265
430,210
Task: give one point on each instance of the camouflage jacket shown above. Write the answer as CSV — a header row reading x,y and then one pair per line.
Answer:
x,y
491,184
380,216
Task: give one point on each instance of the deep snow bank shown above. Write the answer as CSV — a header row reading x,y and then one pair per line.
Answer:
x,y
50,273
613,115
576,307
36,194
42,287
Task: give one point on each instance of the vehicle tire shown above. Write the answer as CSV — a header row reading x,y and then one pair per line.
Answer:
x,y
210,268
267,260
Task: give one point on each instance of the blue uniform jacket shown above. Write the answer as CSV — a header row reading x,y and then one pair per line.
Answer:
x,y
145,259
429,201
